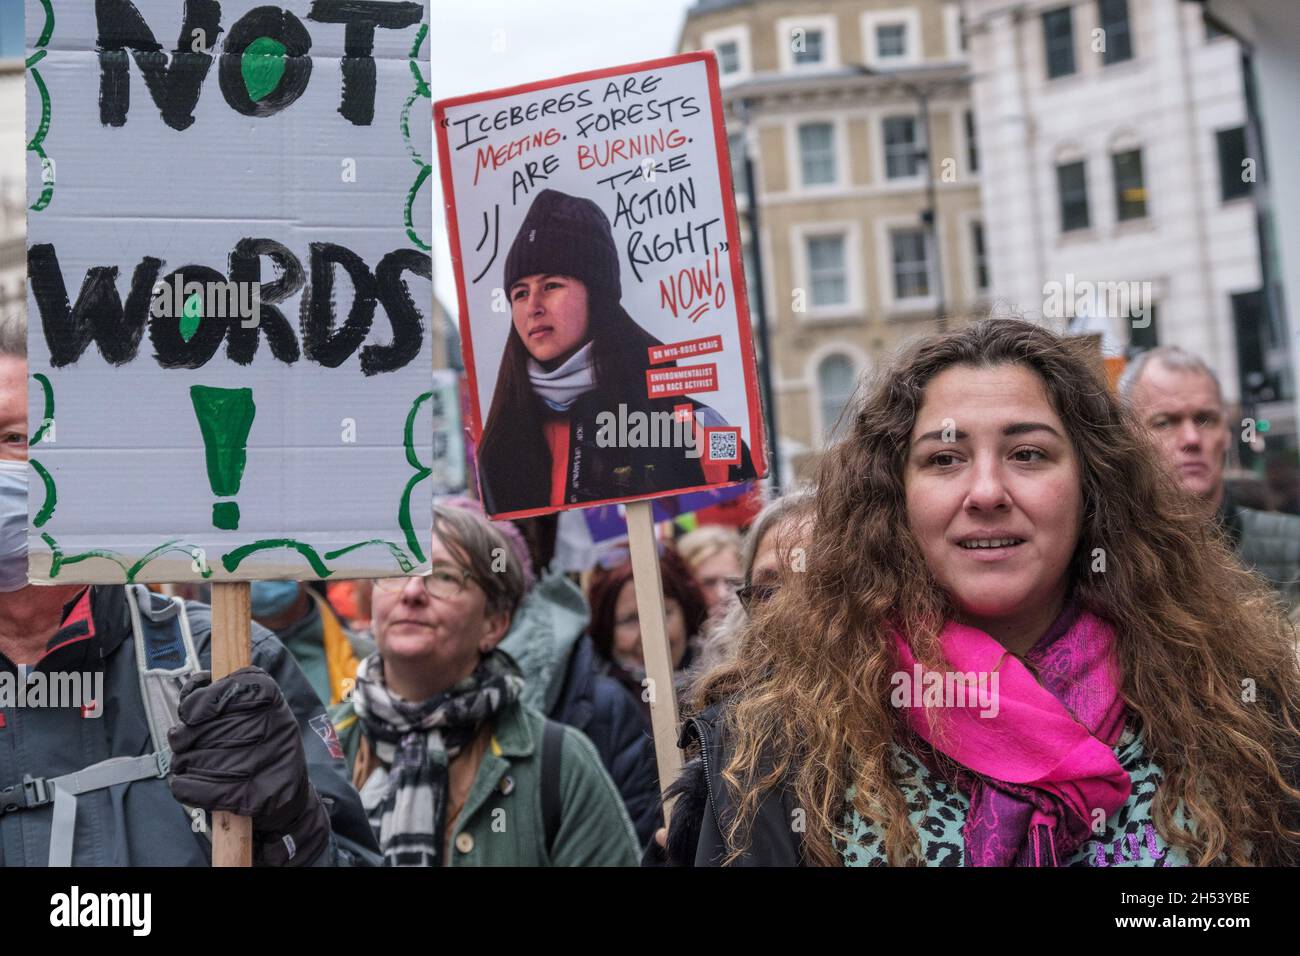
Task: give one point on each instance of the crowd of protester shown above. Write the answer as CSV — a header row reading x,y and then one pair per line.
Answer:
x,y
993,508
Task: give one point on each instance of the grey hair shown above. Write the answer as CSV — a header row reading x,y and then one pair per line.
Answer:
x,y
773,514
13,332
723,639
486,554
1171,357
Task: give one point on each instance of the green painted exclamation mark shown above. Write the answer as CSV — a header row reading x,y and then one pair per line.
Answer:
x,y
225,417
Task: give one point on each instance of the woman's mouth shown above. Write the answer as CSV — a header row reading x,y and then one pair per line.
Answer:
x,y
980,544
990,549
539,331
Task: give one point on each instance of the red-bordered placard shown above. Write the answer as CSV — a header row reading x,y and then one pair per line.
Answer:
x,y
676,239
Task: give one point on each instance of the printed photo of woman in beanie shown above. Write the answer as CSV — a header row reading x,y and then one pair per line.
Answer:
x,y
573,353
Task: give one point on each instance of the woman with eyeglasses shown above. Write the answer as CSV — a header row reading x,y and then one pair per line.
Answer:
x,y
776,544
440,745
616,625
1015,644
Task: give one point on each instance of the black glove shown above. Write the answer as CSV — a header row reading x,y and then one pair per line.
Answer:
x,y
238,748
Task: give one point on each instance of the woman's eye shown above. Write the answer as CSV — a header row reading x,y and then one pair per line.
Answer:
x,y
15,438
1033,453
446,577
943,459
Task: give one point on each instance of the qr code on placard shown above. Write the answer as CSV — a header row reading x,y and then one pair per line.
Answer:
x,y
724,445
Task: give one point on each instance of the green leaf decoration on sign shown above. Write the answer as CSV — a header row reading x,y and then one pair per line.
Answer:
x,y
262,67
191,315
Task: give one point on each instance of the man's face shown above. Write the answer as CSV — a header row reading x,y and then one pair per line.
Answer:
x,y
1184,414
13,408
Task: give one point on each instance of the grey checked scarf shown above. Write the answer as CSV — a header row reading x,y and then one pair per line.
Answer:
x,y
415,742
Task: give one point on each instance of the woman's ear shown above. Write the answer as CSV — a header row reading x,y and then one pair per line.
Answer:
x,y
495,627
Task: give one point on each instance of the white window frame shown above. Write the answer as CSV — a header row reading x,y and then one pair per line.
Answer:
x,y
860,365
829,27
885,227
909,17
881,166
967,246
855,307
957,115
740,35
794,156
952,31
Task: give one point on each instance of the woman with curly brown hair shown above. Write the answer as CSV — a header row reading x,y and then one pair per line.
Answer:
x,y
1015,643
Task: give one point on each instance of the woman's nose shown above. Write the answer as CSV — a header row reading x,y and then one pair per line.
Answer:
x,y
413,592
988,489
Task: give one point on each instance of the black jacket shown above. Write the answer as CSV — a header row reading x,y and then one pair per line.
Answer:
x,y
705,805
598,469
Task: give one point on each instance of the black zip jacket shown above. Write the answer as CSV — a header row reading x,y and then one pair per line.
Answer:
x,y
705,805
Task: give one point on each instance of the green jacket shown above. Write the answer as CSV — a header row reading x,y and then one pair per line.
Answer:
x,y
594,827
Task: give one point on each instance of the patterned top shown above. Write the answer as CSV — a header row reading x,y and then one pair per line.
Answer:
x,y
938,812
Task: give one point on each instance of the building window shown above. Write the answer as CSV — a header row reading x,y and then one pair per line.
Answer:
x,y
1130,193
972,149
1058,39
979,256
728,57
911,264
810,49
817,153
826,271
891,41
836,379
1113,16
902,152
1072,186
1232,157
1142,334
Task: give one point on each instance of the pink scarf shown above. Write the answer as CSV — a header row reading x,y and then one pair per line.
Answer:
x,y
1041,765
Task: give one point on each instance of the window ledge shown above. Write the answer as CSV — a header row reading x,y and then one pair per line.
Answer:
x,y
830,314
907,308
1138,225
1073,236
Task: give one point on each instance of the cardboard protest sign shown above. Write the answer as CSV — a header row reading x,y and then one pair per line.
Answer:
x,y
602,299
229,300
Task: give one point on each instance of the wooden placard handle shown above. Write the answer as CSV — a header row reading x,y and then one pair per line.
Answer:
x,y
232,648
654,642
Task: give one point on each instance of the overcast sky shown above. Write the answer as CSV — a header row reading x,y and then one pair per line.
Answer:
x,y
537,39
11,27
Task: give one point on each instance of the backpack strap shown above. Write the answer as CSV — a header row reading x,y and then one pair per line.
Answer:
x,y
552,758
164,658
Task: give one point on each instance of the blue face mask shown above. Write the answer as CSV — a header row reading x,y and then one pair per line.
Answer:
x,y
13,525
272,598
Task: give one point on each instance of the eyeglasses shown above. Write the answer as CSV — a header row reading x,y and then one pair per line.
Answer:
x,y
753,595
442,582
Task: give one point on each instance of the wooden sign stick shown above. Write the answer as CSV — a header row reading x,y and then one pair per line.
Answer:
x,y
654,641
232,648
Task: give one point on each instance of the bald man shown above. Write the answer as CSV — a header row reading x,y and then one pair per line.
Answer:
x,y
1178,398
